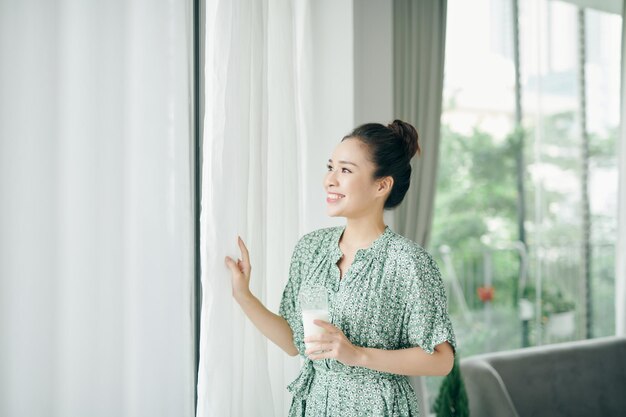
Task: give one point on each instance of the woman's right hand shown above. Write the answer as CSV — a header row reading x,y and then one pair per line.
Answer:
x,y
240,272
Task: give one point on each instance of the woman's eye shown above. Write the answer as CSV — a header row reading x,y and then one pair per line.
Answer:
x,y
330,168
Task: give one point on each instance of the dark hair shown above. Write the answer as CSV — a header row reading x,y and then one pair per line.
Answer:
x,y
391,148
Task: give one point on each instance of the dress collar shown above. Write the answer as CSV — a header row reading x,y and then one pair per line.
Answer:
x,y
375,248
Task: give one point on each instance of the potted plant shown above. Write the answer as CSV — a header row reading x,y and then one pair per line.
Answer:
x,y
561,314
452,399
557,311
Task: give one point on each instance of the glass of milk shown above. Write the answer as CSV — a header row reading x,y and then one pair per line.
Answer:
x,y
314,305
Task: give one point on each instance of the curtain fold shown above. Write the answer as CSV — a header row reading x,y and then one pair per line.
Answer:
x,y
620,262
96,248
250,175
419,52
418,56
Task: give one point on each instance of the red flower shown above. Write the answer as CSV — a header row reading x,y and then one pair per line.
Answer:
x,y
485,293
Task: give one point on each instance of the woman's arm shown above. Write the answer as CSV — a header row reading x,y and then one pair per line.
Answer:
x,y
273,326
411,361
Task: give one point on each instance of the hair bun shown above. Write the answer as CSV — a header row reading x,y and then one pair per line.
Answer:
x,y
408,134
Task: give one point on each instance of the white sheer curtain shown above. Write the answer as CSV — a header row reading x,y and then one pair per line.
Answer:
x,y
620,265
251,175
96,214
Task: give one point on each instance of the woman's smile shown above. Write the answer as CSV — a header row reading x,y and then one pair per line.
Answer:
x,y
333,197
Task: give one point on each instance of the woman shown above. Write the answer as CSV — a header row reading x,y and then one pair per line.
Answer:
x,y
387,302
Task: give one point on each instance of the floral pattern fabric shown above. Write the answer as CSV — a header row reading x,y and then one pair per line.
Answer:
x,y
391,297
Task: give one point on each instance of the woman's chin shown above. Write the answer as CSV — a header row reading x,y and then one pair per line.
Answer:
x,y
332,212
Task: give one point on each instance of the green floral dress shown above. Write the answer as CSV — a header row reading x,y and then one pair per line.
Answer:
x,y
392,297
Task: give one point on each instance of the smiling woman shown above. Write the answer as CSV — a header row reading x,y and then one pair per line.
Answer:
x,y
386,300
373,161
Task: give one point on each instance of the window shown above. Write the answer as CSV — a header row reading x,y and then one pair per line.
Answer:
x,y
526,207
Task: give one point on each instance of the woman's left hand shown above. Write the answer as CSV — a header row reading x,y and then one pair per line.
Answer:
x,y
333,344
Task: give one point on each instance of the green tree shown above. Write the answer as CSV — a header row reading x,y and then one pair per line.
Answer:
x,y
475,190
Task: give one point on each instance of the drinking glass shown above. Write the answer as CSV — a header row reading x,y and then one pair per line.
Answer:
x,y
314,305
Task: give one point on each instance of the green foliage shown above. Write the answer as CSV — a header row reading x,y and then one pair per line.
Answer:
x,y
475,189
477,200
476,208
602,149
553,185
553,300
452,400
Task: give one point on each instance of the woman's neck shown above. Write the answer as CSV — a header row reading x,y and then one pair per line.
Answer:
x,y
360,233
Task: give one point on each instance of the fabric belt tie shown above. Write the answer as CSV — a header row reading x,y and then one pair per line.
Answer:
x,y
301,386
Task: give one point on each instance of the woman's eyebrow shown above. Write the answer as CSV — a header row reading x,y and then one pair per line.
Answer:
x,y
345,162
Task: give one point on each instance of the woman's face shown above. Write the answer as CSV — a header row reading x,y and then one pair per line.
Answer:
x,y
351,190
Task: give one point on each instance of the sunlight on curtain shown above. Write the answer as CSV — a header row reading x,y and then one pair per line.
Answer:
x,y
96,248
251,174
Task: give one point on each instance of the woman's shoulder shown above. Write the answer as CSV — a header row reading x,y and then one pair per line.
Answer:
x,y
409,252
318,238
321,234
399,244
414,267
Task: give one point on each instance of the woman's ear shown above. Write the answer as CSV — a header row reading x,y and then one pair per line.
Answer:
x,y
385,185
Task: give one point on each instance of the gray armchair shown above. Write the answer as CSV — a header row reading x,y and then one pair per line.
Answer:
x,y
585,378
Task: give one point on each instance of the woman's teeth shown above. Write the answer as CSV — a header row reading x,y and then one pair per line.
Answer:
x,y
334,197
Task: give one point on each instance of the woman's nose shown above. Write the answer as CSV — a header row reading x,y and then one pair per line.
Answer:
x,y
330,179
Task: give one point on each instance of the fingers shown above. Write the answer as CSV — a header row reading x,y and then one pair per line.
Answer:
x,y
244,251
230,264
318,348
315,339
331,333
318,356
325,325
321,352
238,266
321,338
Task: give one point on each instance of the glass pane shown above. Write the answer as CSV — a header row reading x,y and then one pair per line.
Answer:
x,y
603,34
549,35
475,209
504,295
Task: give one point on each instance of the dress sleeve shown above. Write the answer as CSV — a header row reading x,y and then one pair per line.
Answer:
x,y
288,308
426,320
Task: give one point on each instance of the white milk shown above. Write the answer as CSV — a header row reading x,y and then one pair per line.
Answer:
x,y
311,328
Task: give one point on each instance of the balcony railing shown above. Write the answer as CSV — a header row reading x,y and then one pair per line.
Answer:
x,y
526,295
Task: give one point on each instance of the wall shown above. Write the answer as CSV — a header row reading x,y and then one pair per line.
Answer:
x,y
351,84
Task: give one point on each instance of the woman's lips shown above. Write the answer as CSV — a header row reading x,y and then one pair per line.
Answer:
x,y
333,198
